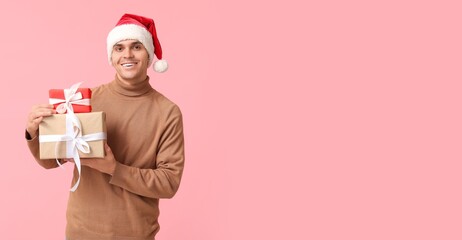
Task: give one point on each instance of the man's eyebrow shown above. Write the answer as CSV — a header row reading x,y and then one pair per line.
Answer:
x,y
131,44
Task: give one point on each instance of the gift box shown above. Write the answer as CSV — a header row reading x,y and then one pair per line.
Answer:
x,y
79,98
61,137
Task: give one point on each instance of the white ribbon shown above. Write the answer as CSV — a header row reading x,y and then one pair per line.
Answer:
x,y
71,96
74,141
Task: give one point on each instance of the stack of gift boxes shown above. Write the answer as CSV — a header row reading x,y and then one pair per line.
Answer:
x,y
74,131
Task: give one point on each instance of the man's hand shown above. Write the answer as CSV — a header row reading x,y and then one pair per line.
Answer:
x,y
104,165
36,115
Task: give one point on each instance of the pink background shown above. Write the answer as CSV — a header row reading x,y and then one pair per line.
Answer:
x,y
303,119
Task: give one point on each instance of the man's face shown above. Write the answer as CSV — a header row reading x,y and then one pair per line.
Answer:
x,y
130,60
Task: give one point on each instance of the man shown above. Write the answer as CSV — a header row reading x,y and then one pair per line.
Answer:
x,y
118,195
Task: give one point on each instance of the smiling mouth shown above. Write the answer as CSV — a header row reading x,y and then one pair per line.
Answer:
x,y
128,65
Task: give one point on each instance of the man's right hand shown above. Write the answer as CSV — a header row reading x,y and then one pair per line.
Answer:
x,y
36,115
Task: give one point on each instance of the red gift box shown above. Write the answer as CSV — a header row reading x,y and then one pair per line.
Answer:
x,y
80,101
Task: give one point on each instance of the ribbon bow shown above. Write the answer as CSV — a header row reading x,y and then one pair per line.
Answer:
x,y
71,96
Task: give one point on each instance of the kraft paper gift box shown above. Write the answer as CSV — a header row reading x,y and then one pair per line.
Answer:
x,y
93,126
80,101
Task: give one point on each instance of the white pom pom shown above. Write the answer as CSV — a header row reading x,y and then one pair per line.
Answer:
x,y
160,66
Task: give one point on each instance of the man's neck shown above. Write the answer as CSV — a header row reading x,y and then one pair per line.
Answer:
x,y
132,82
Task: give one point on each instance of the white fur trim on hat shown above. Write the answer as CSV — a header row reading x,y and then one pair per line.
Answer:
x,y
130,32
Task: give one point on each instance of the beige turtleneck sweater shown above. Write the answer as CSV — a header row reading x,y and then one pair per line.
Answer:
x,y
145,133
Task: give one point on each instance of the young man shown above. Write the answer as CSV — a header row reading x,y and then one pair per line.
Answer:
x,y
118,196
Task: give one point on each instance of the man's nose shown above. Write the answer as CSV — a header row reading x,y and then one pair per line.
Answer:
x,y
128,53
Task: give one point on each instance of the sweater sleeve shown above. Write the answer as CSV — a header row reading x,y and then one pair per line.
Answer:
x,y
164,181
33,145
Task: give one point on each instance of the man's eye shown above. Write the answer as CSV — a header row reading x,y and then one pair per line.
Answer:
x,y
137,47
118,49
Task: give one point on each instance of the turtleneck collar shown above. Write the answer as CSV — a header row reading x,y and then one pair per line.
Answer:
x,y
135,90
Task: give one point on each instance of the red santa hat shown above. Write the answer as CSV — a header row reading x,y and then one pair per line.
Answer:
x,y
133,27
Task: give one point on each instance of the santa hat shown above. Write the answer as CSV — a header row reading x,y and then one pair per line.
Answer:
x,y
133,27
